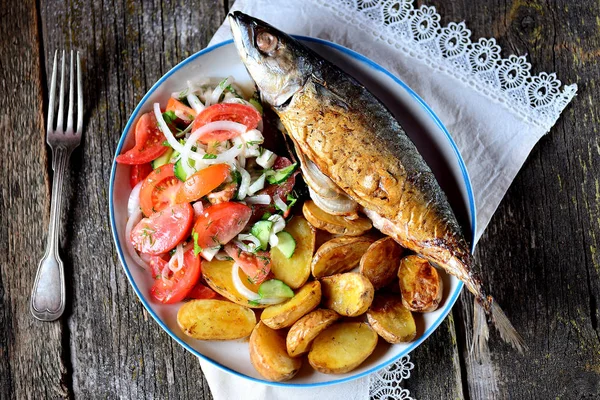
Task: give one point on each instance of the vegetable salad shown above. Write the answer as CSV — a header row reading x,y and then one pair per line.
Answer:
x,y
203,186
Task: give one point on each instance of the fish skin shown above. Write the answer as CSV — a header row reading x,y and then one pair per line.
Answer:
x,y
355,140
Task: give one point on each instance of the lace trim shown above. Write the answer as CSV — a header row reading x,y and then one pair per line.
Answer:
x,y
385,383
538,99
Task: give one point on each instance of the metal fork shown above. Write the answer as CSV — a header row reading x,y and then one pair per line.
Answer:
x,y
48,294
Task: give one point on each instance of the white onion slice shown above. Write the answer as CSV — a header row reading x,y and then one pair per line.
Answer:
x,y
262,199
165,129
278,225
216,94
133,220
280,204
209,253
339,205
249,237
178,256
245,247
237,282
195,103
257,185
133,204
266,159
222,256
198,208
244,184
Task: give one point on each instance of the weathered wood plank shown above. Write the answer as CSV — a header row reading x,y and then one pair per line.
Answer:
x,y
32,364
117,351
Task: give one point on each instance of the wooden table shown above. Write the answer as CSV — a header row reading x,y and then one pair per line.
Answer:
x,y
540,253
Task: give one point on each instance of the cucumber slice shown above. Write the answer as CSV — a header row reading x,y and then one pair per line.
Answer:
x,y
164,159
274,288
287,244
280,175
262,230
179,171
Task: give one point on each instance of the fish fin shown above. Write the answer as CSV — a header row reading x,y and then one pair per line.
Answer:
x,y
481,332
507,332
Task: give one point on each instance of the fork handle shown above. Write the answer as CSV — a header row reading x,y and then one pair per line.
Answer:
x,y
48,294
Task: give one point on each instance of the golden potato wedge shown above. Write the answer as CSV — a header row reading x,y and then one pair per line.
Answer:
x,y
322,237
217,275
420,284
381,261
339,255
348,294
285,314
303,332
215,320
334,223
295,271
342,347
269,355
391,320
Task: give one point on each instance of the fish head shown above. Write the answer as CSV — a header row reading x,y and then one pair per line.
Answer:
x,y
277,63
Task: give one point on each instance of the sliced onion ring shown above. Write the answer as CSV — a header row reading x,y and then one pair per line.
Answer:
x,y
240,287
133,204
133,220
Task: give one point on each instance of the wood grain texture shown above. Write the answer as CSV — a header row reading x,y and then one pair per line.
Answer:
x,y
539,256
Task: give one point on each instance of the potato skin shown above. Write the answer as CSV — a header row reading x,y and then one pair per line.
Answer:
x,y
217,275
391,320
349,294
269,355
285,314
335,224
215,320
342,347
381,261
339,255
303,332
295,271
420,284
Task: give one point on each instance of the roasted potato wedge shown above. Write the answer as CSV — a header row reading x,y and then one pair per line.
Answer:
x,y
334,223
295,271
285,314
339,255
381,261
217,275
303,332
391,320
215,320
420,284
269,355
342,347
348,294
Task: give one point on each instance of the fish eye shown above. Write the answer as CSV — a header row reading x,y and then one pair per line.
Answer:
x,y
266,42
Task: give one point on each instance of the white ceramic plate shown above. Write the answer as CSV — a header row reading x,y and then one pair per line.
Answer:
x,y
426,130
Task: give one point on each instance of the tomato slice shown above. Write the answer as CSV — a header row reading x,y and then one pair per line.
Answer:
x,y
220,223
240,113
202,183
138,173
182,111
163,230
148,142
179,284
201,292
256,266
159,190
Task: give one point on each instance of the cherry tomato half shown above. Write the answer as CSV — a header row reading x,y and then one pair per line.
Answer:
x,y
202,183
163,230
159,190
148,142
177,286
220,223
256,266
240,113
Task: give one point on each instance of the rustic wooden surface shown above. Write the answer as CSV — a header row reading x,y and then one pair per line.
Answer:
x,y
539,254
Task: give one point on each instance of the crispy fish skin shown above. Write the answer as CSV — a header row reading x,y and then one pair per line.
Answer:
x,y
355,141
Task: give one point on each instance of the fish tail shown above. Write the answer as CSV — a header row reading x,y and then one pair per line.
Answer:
x,y
481,332
507,332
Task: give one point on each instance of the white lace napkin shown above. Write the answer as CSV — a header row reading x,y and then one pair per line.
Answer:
x,y
493,107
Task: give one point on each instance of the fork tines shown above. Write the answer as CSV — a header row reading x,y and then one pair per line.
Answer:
x,y
52,101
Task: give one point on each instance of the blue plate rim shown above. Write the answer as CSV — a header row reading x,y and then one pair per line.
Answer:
x,y
373,65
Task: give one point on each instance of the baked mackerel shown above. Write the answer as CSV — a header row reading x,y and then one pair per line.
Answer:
x,y
357,156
